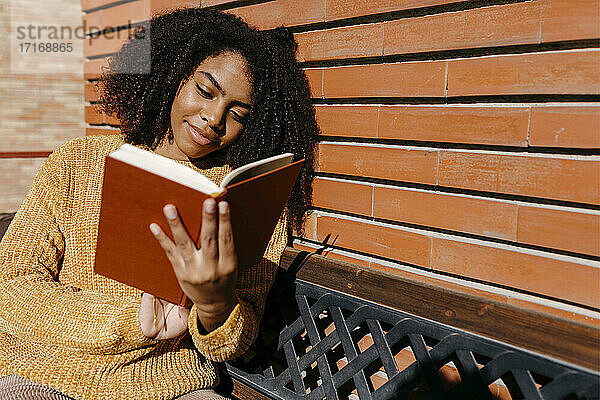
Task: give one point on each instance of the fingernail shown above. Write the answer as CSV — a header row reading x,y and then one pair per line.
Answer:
x,y
209,206
154,228
223,207
170,212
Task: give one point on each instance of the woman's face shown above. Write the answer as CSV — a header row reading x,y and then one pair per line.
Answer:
x,y
210,109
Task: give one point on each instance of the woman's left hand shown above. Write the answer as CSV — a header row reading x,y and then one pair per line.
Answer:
x,y
207,275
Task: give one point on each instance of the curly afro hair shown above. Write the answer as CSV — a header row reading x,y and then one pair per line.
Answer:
x,y
282,118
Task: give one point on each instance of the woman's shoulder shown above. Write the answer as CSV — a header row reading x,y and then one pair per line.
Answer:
x,y
88,148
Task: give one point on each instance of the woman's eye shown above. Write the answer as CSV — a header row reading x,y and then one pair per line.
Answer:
x,y
203,92
239,118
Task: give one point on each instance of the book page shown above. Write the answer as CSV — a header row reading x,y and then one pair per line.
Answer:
x,y
164,167
256,168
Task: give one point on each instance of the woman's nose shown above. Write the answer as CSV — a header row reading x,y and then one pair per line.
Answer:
x,y
214,115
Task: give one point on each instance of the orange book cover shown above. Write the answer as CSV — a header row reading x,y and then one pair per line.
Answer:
x,y
133,197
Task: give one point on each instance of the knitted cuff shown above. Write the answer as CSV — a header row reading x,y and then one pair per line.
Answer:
x,y
227,340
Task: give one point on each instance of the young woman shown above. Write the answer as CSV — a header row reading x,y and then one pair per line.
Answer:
x,y
219,95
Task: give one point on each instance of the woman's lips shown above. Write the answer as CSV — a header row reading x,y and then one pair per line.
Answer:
x,y
198,135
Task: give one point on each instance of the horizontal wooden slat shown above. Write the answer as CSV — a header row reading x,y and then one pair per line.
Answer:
x,y
498,264
411,79
565,126
557,337
564,72
546,177
547,226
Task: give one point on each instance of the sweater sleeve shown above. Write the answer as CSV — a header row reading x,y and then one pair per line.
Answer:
x,y
34,305
237,333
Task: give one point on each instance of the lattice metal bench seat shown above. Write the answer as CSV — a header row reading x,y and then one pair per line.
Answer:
x,y
317,343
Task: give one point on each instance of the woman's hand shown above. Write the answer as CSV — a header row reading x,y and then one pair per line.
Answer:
x,y
160,319
207,275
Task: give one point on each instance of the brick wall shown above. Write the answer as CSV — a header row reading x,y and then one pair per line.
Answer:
x,y
460,139
41,105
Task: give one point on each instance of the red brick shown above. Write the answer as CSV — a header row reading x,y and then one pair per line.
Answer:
x,y
469,170
343,196
90,4
334,256
376,239
90,92
463,214
315,80
337,9
533,273
559,229
570,20
159,6
357,121
208,3
121,15
481,27
282,12
379,162
482,125
411,79
347,42
89,131
564,72
552,178
92,116
565,127
93,68
106,44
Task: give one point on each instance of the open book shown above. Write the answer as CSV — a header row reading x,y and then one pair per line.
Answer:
x,y
138,183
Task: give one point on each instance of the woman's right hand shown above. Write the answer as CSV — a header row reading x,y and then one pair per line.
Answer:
x,y
160,319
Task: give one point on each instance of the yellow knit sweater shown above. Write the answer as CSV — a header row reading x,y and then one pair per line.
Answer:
x,y
65,327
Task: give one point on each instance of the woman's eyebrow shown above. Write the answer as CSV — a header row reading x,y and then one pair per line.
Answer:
x,y
221,90
213,81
